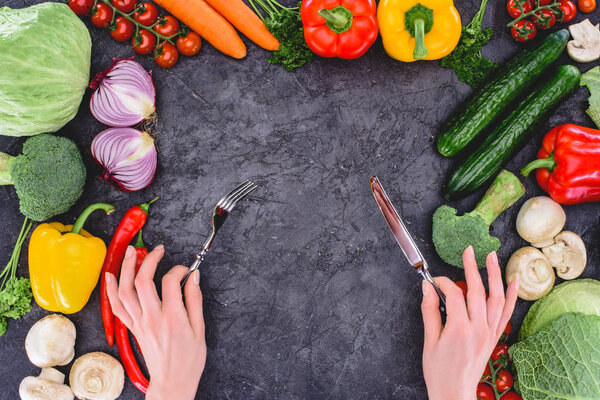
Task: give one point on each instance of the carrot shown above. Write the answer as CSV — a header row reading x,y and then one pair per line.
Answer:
x,y
246,21
208,23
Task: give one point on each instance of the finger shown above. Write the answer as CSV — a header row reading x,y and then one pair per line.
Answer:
x,y
475,289
432,319
456,309
171,290
496,300
193,303
509,306
127,292
112,290
144,281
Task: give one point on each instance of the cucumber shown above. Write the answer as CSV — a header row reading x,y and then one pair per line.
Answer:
x,y
485,162
513,79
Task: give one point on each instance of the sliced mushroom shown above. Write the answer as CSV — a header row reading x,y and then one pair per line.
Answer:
x,y
585,46
97,376
567,255
49,385
535,274
539,220
51,341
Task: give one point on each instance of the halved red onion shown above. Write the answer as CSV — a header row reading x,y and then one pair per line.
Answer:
x,y
127,157
124,94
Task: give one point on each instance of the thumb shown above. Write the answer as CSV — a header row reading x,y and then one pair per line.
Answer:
x,y
432,319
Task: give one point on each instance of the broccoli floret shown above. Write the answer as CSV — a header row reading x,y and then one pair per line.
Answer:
x,y
452,234
48,176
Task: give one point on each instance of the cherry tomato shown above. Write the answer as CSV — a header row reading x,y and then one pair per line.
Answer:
x,y
517,7
568,10
504,380
126,6
523,31
544,19
485,392
146,14
123,29
166,55
144,42
102,16
81,7
500,354
167,26
487,373
189,45
586,6
544,2
507,329
511,396
463,286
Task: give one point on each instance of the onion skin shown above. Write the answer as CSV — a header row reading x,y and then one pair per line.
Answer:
x,y
127,157
124,94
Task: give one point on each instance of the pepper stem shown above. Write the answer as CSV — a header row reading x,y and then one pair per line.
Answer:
x,y
78,225
140,243
146,206
5,178
548,163
418,21
503,193
338,19
420,51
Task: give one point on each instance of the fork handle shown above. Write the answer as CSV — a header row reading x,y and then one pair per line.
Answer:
x,y
195,265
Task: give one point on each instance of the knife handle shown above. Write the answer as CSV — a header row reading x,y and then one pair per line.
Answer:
x,y
426,275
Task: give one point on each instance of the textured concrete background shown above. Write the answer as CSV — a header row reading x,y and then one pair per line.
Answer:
x,y
307,294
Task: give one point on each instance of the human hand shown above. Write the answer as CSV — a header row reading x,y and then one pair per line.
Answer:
x,y
170,334
455,354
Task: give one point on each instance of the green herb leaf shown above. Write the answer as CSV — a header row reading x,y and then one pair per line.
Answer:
x,y
293,53
591,79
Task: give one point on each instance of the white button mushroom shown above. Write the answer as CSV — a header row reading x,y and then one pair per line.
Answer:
x,y
535,274
585,46
48,386
97,376
567,255
51,341
539,220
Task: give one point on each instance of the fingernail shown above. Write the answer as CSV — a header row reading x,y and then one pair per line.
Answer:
x,y
159,247
495,257
130,251
108,277
425,287
470,250
196,274
516,284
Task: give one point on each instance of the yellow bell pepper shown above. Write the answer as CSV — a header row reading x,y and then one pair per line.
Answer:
x,y
65,263
418,29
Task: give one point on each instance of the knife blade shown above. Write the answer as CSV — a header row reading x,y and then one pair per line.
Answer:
x,y
403,237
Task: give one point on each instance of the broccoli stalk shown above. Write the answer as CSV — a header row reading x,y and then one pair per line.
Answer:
x,y
452,234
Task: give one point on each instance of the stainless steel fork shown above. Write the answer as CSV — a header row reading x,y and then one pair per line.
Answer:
x,y
220,213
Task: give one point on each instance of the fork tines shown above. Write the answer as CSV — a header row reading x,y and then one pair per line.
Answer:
x,y
229,201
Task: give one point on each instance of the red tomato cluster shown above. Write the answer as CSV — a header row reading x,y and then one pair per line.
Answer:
x,y
150,34
531,15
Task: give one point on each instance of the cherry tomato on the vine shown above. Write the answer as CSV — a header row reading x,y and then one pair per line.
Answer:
x,y
544,2
544,19
167,26
487,373
189,45
166,55
500,354
485,392
144,42
81,7
511,396
568,10
507,329
146,14
126,6
517,7
123,29
523,31
586,6
504,380
463,286
102,15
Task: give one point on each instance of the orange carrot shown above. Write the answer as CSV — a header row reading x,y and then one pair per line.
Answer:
x,y
205,21
246,21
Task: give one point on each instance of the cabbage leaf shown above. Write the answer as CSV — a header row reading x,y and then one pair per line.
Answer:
x,y
45,53
561,361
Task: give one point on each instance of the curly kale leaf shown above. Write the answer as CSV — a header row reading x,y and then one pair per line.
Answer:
x,y
293,53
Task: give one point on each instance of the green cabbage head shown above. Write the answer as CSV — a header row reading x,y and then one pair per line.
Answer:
x,y
580,295
45,55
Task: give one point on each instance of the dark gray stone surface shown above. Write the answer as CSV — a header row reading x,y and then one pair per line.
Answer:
x,y
307,294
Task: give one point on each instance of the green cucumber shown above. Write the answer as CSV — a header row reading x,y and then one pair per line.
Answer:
x,y
513,79
489,158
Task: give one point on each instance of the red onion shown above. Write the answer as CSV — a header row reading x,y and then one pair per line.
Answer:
x,y
124,94
127,157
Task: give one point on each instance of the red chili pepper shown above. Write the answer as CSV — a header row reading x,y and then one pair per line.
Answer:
x,y
132,222
568,164
346,31
130,363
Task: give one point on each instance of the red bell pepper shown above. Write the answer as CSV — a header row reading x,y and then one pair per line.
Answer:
x,y
339,28
568,164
